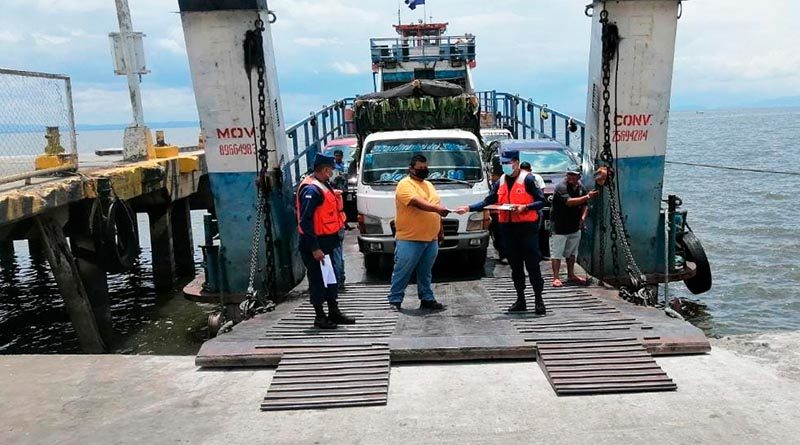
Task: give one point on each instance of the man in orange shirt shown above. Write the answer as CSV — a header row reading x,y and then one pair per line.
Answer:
x,y
418,227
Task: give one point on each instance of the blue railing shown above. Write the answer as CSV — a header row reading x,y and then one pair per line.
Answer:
x,y
309,136
422,49
527,120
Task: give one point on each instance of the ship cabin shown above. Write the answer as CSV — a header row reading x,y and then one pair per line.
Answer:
x,y
423,51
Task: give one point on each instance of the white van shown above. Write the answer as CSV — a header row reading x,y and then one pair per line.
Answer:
x,y
456,170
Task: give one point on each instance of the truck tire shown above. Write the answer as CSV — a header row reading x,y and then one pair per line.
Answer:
x,y
701,281
372,263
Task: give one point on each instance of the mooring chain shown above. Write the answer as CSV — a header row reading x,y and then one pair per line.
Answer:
x,y
255,301
637,291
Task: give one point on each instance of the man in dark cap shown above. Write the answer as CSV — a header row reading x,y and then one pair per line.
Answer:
x,y
520,201
567,216
320,217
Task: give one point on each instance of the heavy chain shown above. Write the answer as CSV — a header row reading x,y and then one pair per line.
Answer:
x,y
636,291
255,301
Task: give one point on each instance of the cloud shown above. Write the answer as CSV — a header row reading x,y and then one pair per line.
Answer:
x,y
725,54
348,68
9,37
99,104
316,42
41,39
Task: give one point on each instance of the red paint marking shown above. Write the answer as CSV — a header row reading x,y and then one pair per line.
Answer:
x,y
235,132
632,120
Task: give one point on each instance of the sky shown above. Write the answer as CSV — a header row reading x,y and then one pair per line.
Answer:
x,y
729,53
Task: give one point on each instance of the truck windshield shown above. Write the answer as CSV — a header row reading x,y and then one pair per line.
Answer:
x,y
387,161
548,161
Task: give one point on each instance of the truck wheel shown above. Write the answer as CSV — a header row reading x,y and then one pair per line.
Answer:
x,y
476,260
372,263
701,281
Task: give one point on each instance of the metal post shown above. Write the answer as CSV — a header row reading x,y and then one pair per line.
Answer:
x,y
126,34
137,140
73,138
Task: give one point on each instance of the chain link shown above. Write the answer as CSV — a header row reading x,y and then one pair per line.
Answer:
x,y
255,301
618,234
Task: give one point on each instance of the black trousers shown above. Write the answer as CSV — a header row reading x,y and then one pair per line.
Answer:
x,y
522,241
317,290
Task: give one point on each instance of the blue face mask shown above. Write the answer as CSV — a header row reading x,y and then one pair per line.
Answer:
x,y
508,169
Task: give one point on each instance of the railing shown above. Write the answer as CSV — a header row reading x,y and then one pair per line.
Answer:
x,y
37,125
528,120
309,136
422,49
525,118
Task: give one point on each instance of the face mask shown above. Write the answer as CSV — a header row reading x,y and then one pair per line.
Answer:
x,y
508,169
421,173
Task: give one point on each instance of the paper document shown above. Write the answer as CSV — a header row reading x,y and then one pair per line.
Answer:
x,y
328,274
509,207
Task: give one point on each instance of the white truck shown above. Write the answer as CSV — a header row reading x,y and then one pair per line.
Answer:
x,y
456,170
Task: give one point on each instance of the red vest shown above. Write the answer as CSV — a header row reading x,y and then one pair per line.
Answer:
x,y
329,217
517,195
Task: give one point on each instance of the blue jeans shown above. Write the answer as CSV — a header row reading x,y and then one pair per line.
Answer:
x,y
410,257
338,260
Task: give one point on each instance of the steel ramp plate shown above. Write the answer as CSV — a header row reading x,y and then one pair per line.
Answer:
x,y
330,377
601,366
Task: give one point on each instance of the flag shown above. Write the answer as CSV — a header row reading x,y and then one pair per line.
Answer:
x,y
412,4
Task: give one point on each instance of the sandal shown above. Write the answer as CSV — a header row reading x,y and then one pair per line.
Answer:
x,y
578,280
557,283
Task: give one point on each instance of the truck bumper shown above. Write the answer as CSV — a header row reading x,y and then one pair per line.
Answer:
x,y
384,244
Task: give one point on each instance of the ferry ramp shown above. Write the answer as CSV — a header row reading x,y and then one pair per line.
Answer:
x,y
589,342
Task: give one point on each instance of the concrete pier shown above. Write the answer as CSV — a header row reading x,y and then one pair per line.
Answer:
x,y
182,241
90,269
732,395
70,284
50,210
161,242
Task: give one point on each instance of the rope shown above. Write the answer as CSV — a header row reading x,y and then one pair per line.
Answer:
x,y
722,167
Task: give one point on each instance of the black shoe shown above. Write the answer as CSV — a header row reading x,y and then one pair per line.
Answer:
x,y
336,316
518,306
396,305
430,304
324,323
539,308
341,286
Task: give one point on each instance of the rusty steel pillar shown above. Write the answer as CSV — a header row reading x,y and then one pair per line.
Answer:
x,y
162,246
6,251
70,285
182,242
90,268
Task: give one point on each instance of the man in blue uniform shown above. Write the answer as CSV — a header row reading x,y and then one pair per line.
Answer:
x,y
320,217
517,191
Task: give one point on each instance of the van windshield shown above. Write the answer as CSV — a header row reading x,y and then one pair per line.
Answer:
x,y
388,161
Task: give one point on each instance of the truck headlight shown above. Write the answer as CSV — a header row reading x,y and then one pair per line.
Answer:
x,y
369,225
478,221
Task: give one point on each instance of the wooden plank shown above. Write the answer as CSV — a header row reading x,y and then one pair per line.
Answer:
x,y
602,351
562,382
337,373
321,386
343,366
311,404
607,373
328,360
323,394
278,381
556,359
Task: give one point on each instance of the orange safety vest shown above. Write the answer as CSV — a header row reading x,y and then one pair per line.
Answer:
x,y
329,217
517,195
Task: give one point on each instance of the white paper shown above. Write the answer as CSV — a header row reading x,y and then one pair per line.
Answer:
x,y
328,274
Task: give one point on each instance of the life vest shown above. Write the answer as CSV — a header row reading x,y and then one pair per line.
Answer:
x,y
329,217
517,195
